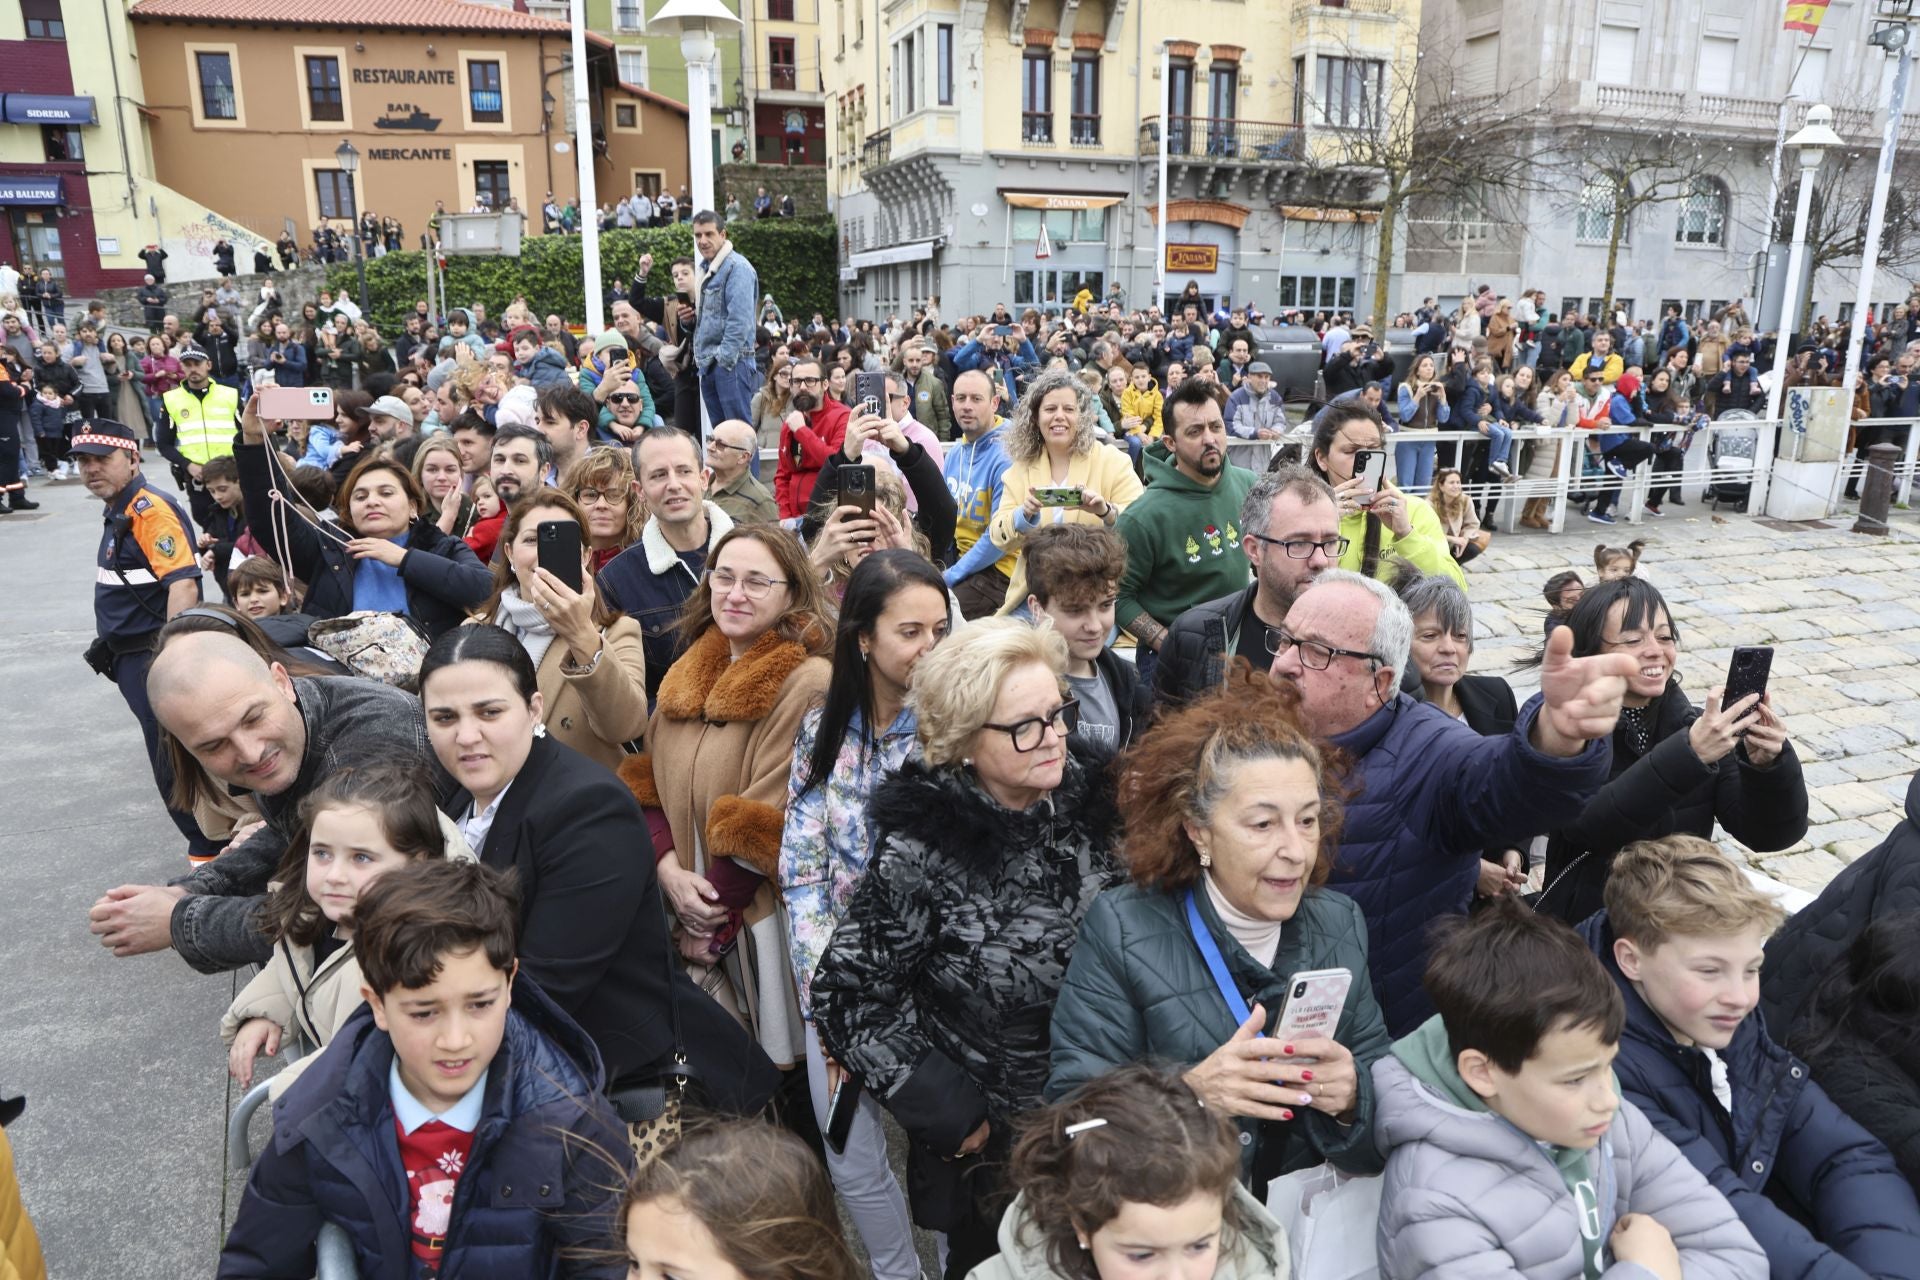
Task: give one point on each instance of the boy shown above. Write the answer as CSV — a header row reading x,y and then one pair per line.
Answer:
x,y
1073,581
536,363
259,588
226,526
456,1119
1509,1149
1683,934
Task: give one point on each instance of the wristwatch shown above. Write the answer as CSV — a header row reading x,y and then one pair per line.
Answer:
x,y
569,668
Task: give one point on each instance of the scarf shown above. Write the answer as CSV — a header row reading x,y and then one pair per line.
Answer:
x,y
703,271
1637,724
377,586
523,620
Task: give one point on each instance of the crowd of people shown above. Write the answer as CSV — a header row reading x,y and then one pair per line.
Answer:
x,y
721,738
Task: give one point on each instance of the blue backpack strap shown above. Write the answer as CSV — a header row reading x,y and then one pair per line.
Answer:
x,y
1216,963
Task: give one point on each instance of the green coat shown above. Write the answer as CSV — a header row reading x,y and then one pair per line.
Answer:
x,y
1137,988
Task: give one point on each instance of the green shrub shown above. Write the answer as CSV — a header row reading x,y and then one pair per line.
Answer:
x,y
796,258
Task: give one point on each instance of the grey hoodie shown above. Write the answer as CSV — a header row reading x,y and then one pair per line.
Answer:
x,y
1469,1195
1258,1252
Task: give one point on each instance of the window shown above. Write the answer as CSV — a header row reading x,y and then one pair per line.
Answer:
x,y
1222,79
625,115
1575,305
1315,293
1086,99
781,72
1036,97
628,16
1063,225
780,10
633,66
487,103
1594,222
1351,91
906,80
1613,54
943,64
1810,76
1716,64
1480,68
490,185
216,86
323,89
334,187
1703,214
61,143
43,19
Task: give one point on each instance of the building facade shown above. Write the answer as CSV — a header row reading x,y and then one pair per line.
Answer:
x,y
785,91
1008,150
648,59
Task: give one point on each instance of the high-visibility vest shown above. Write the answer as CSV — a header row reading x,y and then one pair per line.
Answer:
x,y
204,427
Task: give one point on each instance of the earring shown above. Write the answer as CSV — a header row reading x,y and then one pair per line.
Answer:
x,y
1205,860
966,762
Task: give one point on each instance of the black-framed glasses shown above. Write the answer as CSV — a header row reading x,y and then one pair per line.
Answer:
x,y
808,382
588,497
1028,734
1303,548
1314,655
717,443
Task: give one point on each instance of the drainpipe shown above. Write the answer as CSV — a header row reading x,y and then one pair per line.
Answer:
x,y
119,118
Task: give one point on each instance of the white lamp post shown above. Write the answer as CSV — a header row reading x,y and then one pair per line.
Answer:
x,y
583,156
1812,142
697,21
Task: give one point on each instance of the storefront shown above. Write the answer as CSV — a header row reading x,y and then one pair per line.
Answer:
x,y
30,209
1056,245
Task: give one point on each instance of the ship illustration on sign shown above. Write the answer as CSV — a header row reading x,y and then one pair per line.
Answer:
x,y
414,119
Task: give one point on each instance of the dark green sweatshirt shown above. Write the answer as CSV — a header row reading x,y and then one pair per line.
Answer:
x,y
1183,543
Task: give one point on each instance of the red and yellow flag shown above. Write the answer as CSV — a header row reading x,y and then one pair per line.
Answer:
x,y
1805,15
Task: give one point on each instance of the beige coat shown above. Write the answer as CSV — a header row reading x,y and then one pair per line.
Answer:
x,y
1106,470
1500,331
595,713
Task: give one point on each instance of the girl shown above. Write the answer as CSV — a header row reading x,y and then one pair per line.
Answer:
x,y
490,515
1617,562
1382,526
1563,591
1129,1176
436,467
1458,517
359,824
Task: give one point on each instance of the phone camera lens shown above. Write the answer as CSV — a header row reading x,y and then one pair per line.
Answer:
x,y
1299,989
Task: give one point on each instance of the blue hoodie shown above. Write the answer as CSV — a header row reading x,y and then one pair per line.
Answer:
x,y
976,471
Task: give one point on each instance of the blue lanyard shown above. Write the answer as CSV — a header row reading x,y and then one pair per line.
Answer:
x,y
1216,963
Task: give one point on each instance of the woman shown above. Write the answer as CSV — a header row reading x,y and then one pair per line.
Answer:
x,y
1553,402
840,381
591,931
375,356
159,373
1677,768
1659,402
436,469
1389,523
1500,333
352,431
385,556
839,538
1132,1176
719,751
1052,445
773,401
122,367
603,483
1459,518
1232,822
592,670
1423,407
894,613
254,351
339,351
938,984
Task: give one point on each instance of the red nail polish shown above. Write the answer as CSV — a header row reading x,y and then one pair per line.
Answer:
x,y
1286,1048
1286,1115
1306,1075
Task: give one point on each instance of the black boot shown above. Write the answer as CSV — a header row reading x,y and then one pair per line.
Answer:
x,y
20,502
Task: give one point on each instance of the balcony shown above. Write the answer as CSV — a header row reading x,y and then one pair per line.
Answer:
x,y
1036,128
1755,118
1333,8
877,152
1225,141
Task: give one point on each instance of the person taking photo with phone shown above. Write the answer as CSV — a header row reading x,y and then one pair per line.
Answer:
x,y
1378,521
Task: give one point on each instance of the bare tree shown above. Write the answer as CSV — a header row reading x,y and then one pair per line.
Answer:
x,y
1837,213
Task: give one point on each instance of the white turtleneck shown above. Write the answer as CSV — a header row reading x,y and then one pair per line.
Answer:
x,y
1261,938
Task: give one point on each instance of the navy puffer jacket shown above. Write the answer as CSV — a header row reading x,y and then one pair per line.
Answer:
x,y
1820,1194
545,1173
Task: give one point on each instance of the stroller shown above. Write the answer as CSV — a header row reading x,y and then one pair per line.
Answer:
x,y
1730,456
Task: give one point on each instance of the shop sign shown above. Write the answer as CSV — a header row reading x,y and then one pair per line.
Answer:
x,y
410,153
1198,258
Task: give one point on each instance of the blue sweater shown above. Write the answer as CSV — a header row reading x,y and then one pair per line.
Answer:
x,y
976,470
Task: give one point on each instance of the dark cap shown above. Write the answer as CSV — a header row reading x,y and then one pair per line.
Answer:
x,y
1260,366
102,436
191,352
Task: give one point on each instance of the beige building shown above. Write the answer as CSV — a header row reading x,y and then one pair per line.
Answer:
x,y
782,81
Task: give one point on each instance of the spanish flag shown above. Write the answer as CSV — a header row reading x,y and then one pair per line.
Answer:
x,y
1805,15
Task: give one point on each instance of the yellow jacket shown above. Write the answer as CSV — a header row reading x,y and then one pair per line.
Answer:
x,y
19,1245
1425,545
1104,469
1144,405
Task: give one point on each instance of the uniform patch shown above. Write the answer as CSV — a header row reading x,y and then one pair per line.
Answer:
x,y
165,545
142,504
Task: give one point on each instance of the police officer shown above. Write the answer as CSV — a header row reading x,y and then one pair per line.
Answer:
x,y
198,426
145,574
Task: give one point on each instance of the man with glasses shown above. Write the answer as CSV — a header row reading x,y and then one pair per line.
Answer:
x,y
813,432
1290,534
734,489
1427,792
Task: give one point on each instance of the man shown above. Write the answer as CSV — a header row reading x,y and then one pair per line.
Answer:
x,y
1337,336
1255,410
155,257
522,462
733,486
389,419
289,250
145,573
762,203
199,419
729,293
806,444
253,728
976,469
557,331
86,355
651,580
223,351
1738,387
1239,359
1428,792
1602,357
567,415
995,351
473,438
1183,542
153,303
930,405
1358,363
899,410
1290,534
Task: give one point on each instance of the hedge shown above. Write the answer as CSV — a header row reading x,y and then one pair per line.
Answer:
x,y
796,259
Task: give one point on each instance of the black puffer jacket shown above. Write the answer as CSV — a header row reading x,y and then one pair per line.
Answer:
x,y
1194,656
1665,792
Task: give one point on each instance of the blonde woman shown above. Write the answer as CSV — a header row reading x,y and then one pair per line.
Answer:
x,y
1554,404
772,402
1459,518
436,465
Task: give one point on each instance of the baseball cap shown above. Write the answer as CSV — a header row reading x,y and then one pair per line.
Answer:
x,y
191,352
391,407
102,436
1260,366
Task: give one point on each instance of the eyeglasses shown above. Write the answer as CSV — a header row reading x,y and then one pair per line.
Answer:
x,y
1314,655
808,382
723,581
717,443
1303,548
588,497
623,399
1028,734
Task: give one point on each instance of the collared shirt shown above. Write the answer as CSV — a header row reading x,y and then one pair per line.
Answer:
x,y
477,826
411,1113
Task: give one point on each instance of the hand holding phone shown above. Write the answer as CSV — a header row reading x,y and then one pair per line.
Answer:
x,y
1370,469
558,547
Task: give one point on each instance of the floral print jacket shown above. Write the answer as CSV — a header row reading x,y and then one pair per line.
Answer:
x,y
827,841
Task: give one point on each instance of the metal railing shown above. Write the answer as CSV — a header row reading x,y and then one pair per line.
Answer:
x,y
876,151
1225,139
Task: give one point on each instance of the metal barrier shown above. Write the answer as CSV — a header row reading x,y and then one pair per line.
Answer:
x,y
333,1251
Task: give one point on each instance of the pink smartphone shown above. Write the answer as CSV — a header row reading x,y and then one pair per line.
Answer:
x,y
1315,998
312,403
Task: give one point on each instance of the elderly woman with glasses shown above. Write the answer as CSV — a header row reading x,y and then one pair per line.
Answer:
x,y
937,988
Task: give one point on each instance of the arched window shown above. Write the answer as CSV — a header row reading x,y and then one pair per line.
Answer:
x,y
1703,213
1594,222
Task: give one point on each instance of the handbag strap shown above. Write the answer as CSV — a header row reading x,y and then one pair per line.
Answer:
x,y
1216,963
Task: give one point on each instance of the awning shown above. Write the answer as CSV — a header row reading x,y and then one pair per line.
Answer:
x,y
31,191
1057,200
918,251
41,108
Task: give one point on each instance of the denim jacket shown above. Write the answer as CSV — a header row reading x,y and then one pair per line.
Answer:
x,y
729,299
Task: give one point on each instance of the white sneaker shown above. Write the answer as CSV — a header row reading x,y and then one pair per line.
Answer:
x,y
60,473
1500,469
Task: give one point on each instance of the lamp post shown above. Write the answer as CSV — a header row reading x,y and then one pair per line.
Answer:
x,y
1896,38
1811,143
696,21
583,155
349,161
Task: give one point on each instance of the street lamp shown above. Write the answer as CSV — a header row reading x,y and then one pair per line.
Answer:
x,y
1812,142
696,21
349,160
1893,36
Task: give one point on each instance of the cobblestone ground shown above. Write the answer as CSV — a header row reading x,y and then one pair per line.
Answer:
x,y
1837,607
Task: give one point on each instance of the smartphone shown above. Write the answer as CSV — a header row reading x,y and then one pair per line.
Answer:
x,y
315,404
1315,998
684,299
841,1108
559,550
1004,330
1066,495
856,487
1747,672
1370,465
871,390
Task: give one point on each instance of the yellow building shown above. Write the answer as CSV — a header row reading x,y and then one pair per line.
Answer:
x,y
782,81
1009,150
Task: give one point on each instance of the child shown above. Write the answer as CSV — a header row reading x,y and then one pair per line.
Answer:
x,y
535,362
490,516
1073,583
1684,933
1563,591
1480,403
359,824
1142,401
225,537
1617,562
457,1117
1509,1149
459,334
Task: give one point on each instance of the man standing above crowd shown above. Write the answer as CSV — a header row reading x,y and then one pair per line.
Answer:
x,y
729,291
200,419
976,469
1602,358
153,303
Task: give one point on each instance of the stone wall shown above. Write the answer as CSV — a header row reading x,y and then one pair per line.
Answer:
x,y
807,183
297,287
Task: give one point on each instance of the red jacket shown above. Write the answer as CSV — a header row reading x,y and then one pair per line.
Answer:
x,y
804,452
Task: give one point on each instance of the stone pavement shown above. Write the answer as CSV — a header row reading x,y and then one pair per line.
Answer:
x,y
1838,609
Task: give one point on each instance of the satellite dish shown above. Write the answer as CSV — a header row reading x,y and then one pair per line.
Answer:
x,y
980,208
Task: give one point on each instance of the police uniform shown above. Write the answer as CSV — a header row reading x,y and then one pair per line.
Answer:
x,y
199,426
147,545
